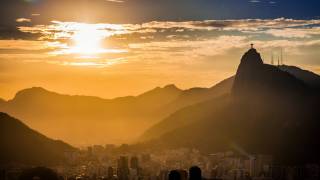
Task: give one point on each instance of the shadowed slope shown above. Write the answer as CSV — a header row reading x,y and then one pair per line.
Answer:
x,y
310,78
20,144
186,105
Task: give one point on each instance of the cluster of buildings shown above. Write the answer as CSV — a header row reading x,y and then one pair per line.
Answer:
x,y
111,163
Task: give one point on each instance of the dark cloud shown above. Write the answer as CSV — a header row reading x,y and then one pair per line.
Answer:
x,y
12,32
137,11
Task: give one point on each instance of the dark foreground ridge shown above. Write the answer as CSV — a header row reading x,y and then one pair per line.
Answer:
x,y
269,111
255,77
22,145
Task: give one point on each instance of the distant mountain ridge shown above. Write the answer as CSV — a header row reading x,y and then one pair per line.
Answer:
x,y
268,111
102,117
20,144
123,119
190,97
197,95
120,120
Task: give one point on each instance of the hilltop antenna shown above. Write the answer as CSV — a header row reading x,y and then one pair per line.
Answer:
x,y
278,61
281,54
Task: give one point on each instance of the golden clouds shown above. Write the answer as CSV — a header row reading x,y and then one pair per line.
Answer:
x,y
187,53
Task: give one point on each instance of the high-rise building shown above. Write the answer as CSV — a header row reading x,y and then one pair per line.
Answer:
x,y
90,151
123,168
134,162
110,173
260,165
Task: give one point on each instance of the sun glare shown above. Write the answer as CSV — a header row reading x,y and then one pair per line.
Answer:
x,y
84,41
88,40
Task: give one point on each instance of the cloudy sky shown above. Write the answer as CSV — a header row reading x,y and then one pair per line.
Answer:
x,y
111,48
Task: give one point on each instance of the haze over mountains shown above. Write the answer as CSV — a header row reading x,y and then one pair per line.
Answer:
x,y
119,120
269,111
262,109
124,119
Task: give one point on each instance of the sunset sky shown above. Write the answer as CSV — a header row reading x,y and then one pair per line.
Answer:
x,y
112,48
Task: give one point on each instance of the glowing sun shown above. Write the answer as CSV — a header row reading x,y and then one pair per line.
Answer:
x,y
84,40
88,40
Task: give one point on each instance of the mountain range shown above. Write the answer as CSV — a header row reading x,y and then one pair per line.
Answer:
x,y
118,120
20,144
269,110
262,109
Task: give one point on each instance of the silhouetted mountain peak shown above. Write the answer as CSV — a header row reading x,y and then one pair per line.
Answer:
x,y
31,92
255,77
171,87
34,89
251,59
